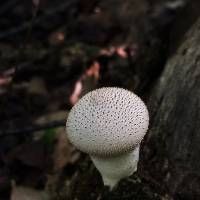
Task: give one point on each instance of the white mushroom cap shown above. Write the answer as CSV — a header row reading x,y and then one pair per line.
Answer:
x,y
107,121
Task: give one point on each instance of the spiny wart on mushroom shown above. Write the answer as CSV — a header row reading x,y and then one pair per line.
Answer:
x,y
109,124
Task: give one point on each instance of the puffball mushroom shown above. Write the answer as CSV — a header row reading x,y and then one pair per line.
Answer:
x,y
109,124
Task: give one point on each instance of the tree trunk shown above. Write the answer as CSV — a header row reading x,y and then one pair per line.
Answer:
x,y
171,154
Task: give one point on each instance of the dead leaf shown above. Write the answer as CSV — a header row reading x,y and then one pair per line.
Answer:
x,y
97,10
37,86
53,116
36,2
107,52
93,70
76,93
59,115
56,38
121,52
92,73
64,152
5,81
31,154
9,72
26,193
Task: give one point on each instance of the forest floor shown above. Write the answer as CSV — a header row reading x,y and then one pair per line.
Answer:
x,y
47,63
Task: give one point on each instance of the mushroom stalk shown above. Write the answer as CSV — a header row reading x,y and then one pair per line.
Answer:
x,y
113,169
109,124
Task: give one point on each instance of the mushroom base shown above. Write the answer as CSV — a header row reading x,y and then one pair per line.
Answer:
x,y
113,169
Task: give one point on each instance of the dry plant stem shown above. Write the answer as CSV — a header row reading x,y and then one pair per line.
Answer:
x,y
33,128
113,169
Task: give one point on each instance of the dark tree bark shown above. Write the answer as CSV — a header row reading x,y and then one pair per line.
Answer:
x,y
171,154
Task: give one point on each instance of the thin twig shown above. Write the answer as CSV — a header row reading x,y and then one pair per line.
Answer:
x,y
16,30
33,128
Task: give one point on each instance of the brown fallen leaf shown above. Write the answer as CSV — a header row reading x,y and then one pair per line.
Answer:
x,y
118,50
36,2
50,117
32,154
56,38
26,193
5,80
76,93
93,70
121,52
37,86
9,72
59,115
83,85
64,152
